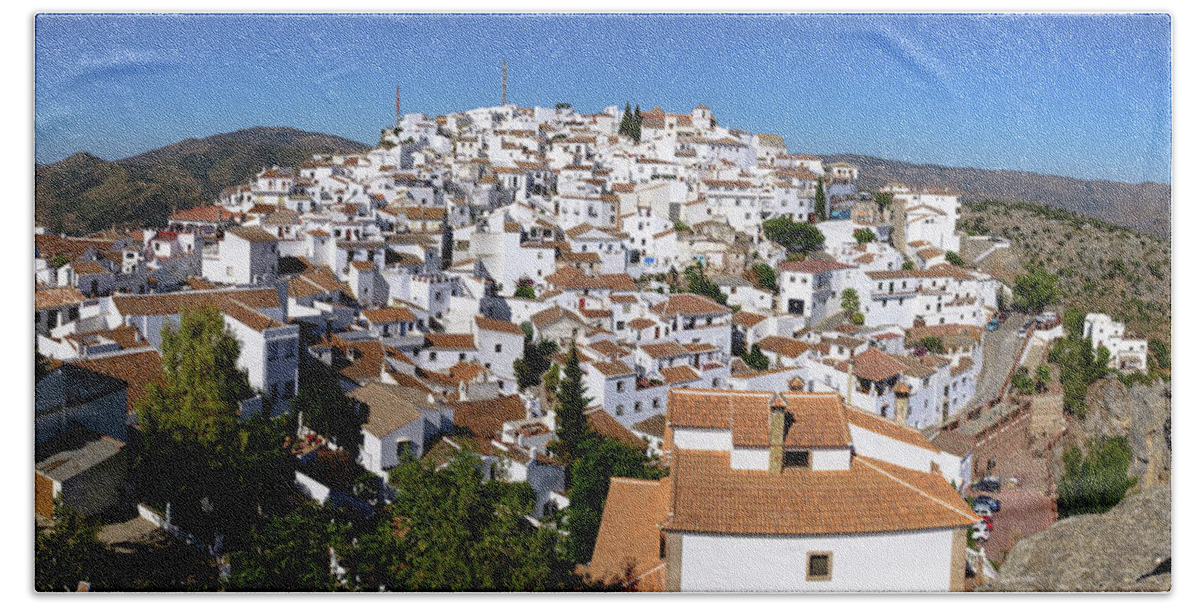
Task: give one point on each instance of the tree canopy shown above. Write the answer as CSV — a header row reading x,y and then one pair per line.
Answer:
x,y
700,284
1097,481
288,553
864,236
69,552
1034,291
819,202
797,237
764,277
571,423
756,359
600,459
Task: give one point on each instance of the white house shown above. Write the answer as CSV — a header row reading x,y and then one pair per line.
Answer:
x,y
1125,352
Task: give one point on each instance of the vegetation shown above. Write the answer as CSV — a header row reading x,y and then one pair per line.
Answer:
x,y
797,237
819,202
1036,290
535,361
864,236
1097,481
850,301
83,194
631,124
883,200
1078,364
932,344
908,265
955,259
756,359
325,407
1022,384
572,425
764,277
599,460
219,474
68,553
288,553
699,284
451,530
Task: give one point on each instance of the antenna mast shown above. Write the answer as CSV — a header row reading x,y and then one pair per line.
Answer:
x,y
503,83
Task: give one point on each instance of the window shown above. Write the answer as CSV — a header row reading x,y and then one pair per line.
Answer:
x,y
432,356
498,348
798,459
637,406
620,385
654,403
820,566
462,356
620,410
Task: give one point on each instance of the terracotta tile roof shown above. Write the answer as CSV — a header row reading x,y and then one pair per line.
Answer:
x,y
568,277
878,424
746,318
660,350
688,304
138,370
812,266
871,497
485,419
254,234
604,424
173,303
940,271
877,366
83,268
820,420
450,341
593,313
787,347
641,323
56,297
655,425
710,409
608,348
627,543
391,407
623,299
699,348
679,374
498,325
247,315
612,369
553,315
390,315
213,214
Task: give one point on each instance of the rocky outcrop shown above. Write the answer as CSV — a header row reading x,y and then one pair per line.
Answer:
x,y
1126,549
1142,414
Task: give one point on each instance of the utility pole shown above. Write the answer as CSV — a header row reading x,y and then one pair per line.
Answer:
x,y
503,83
397,106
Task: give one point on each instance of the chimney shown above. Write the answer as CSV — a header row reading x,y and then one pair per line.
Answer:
x,y
778,420
902,391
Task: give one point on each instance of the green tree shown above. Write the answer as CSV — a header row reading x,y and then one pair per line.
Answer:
x,y
600,460
69,552
525,291
955,259
1034,291
447,245
571,424
819,201
1022,384
626,126
756,359
699,284
864,236
1097,481
850,301
450,530
1042,378
59,260
1073,323
1160,353
883,200
764,277
325,407
637,124
287,553
535,361
932,344
908,265
797,237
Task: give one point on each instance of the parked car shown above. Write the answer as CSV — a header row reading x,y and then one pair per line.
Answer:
x,y
1003,317
982,510
987,484
992,325
980,531
987,521
987,501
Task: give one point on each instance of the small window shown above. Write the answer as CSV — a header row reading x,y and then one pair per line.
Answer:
x,y
820,566
498,348
462,356
796,459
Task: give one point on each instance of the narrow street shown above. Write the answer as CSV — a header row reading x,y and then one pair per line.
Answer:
x,y
1000,350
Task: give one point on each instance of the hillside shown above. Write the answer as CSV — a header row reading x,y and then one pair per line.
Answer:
x,y
83,193
1101,267
1145,207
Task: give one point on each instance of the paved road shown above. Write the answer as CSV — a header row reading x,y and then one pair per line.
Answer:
x,y
1000,350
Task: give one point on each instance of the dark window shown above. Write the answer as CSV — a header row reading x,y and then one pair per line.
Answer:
x,y
820,566
797,459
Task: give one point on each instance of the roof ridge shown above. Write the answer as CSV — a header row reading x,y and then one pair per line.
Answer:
x,y
867,461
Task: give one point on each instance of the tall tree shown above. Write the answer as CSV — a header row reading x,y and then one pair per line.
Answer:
x,y
1034,291
637,124
600,460
626,127
819,202
68,553
287,553
756,359
700,284
797,237
571,424
447,244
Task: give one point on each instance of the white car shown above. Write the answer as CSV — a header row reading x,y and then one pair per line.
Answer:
x,y
980,532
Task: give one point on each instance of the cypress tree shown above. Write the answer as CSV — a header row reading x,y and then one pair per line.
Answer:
x,y
571,424
819,202
637,124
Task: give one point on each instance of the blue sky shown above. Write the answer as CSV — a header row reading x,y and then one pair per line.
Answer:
x,y
1079,95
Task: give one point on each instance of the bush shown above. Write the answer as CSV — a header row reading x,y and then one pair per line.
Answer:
x,y
864,236
955,259
1098,481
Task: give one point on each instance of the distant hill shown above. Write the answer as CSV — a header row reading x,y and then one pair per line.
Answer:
x,y
1145,207
84,193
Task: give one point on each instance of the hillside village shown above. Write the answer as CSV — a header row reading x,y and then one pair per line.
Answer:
x,y
816,374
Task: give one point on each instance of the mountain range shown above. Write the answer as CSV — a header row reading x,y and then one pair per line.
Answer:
x,y
83,193
1145,207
